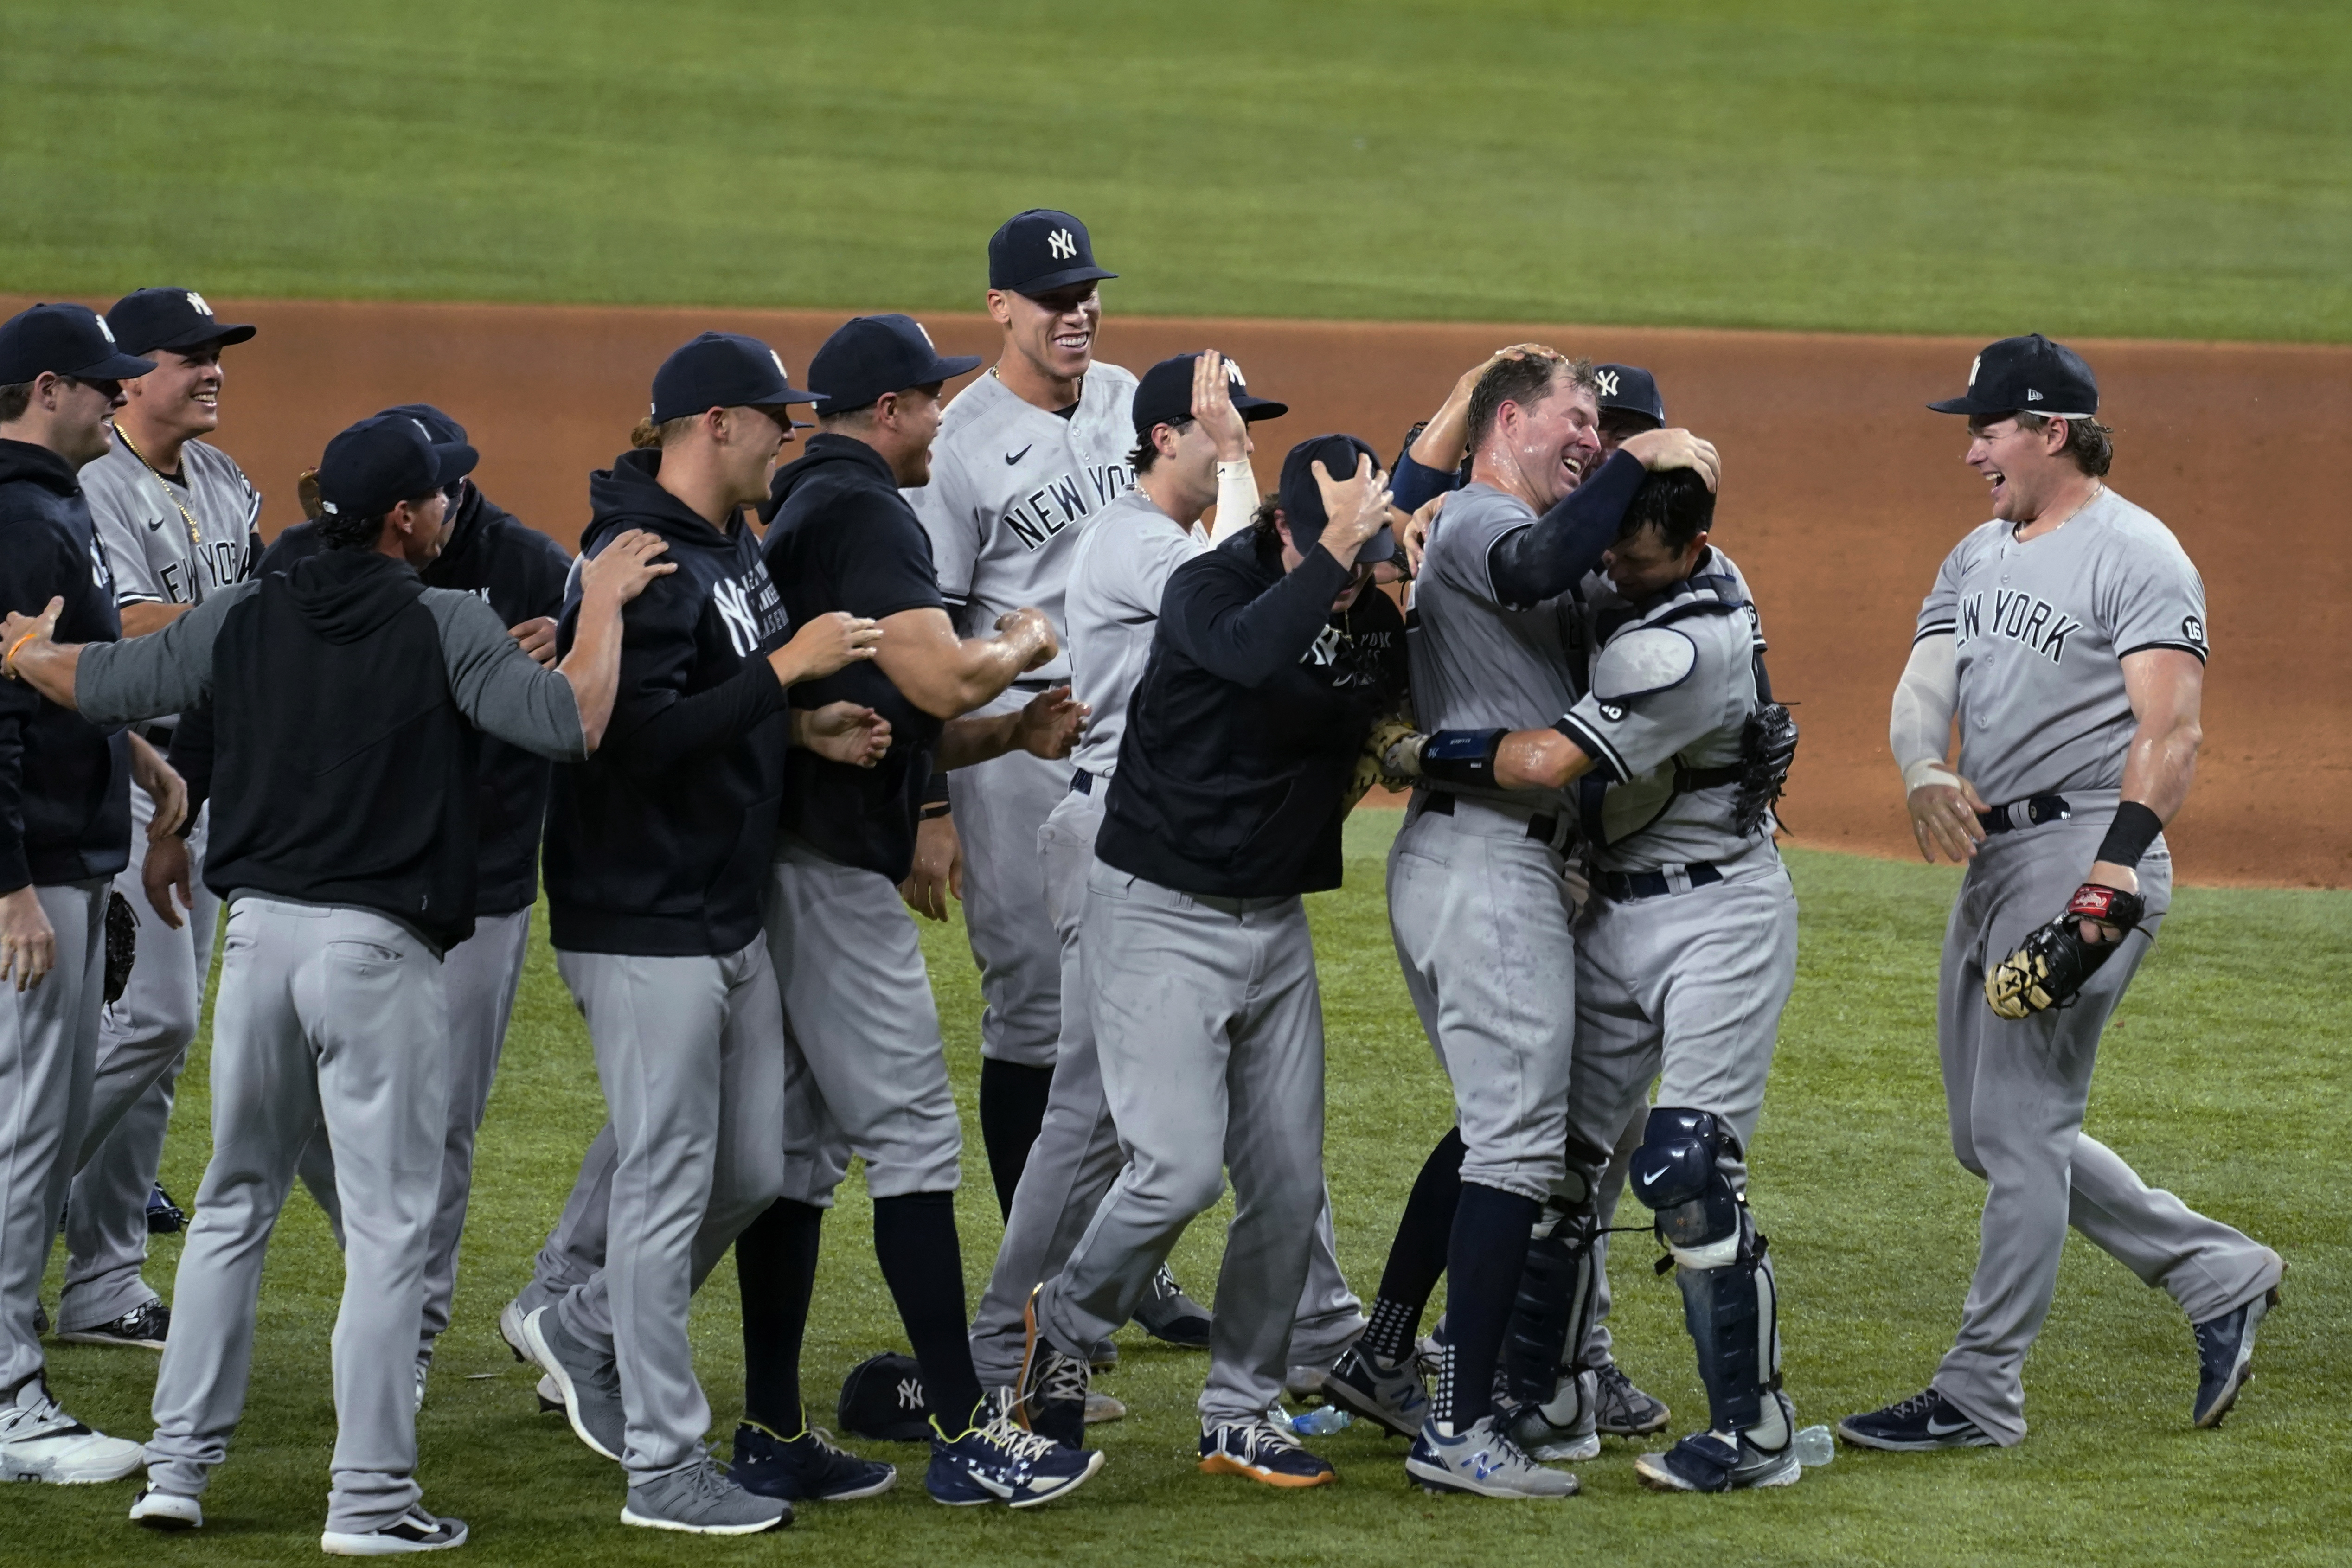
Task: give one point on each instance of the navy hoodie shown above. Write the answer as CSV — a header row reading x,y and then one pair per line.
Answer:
x,y
64,783
520,572
660,844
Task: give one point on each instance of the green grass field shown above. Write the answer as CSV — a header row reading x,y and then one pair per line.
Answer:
x,y
2151,168
2222,1085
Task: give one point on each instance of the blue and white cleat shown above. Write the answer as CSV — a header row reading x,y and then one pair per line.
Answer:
x,y
2225,1357
999,1462
1481,1461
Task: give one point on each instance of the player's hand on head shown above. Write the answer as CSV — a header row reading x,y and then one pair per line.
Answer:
x,y
165,873
1213,410
1029,622
28,945
825,645
1944,819
1357,508
843,732
1051,723
623,568
1659,450
536,637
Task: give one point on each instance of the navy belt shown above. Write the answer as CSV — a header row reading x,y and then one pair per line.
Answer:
x,y
1625,885
1543,828
2029,812
158,735
1082,782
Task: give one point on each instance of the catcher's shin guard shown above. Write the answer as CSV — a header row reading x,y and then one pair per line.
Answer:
x,y
1559,1285
1733,1314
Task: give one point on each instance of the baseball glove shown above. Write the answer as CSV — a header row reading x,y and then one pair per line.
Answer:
x,y
2052,962
1372,764
122,944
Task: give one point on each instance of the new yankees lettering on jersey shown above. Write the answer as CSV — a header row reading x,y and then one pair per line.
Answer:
x,y
2020,617
750,607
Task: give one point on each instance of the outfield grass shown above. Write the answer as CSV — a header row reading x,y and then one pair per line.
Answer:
x,y
2223,1079
2151,168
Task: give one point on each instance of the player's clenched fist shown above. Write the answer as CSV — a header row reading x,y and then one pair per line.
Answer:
x,y
621,570
831,642
843,732
1031,626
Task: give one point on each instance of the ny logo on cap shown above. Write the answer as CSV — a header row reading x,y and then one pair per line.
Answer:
x,y
1234,374
1974,366
196,302
421,430
1061,245
1608,379
102,327
926,331
780,364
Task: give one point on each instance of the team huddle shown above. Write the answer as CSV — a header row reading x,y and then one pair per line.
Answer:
x,y
1045,647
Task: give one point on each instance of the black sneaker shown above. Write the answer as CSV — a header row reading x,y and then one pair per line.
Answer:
x,y
164,1216
1051,1398
1918,1424
1170,1316
1625,1411
2225,1357
805,1469
143,1327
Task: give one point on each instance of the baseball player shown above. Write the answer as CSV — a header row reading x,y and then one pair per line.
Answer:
x,y
656,855
177,518
2067,636
65,833
520,572
1026,458
865,1068
1684,959
1192,414
1268,665
341,901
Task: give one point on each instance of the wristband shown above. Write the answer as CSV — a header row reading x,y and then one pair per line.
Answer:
x,y
933,813
2129,835
1461,757
8,660
1929,770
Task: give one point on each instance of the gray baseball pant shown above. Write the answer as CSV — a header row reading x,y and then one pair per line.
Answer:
x,y
2016,1091
1481,916
480,975
1209,1028
690,1052
575,1250
334,1016
142,1039
1077,1155
48,1055
866,1072
999,805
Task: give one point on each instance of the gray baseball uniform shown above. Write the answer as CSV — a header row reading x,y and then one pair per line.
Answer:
x,y
168,542
1117,574
331,1014
1478,905
2041,629
1014,487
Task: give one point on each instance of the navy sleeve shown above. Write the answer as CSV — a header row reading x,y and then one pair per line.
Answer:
x,y
1413,486
880,562
1546,558
34,569
1208,614
655,723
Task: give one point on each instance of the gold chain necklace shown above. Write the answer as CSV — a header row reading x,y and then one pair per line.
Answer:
x,y
195,534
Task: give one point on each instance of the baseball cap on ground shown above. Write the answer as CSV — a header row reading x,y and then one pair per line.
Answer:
x,y
63,340
1164,396
1039,250
385,460
882,1397
1301,499
869,356
722,370
2027,375
175,318
1631,389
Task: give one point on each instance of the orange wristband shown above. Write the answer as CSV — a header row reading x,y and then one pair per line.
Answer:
x,y
9,663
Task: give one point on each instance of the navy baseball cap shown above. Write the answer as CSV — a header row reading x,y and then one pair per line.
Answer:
x,y
1301,499
1039,251
722,370
439,428
63,340
1164,396
385,460
176,319
2027,375
869,356
1631,389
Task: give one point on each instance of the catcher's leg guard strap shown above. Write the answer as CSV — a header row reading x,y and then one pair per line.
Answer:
x,y
1733,1314
1553,1310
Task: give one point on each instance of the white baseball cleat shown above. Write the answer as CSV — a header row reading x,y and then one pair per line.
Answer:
x,y
41,1443
166,1510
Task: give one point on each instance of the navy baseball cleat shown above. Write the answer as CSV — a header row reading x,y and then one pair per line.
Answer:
x,y
1051,1398
1171,1316
1389,1391
1923,1422
1262,1451
2225,1357
1713,1461
999,1462
164,1216
805,1469
1625,1410
143,1327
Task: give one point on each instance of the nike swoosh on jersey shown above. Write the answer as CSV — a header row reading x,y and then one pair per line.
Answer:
x,y
1011,458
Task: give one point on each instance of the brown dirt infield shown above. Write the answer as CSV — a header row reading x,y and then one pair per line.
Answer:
x,y
1841,496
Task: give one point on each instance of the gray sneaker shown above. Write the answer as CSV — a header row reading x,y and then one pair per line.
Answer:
x,y
1565,1426
698,1500
1388,1392
1482,1461
1625,1410
590,1384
